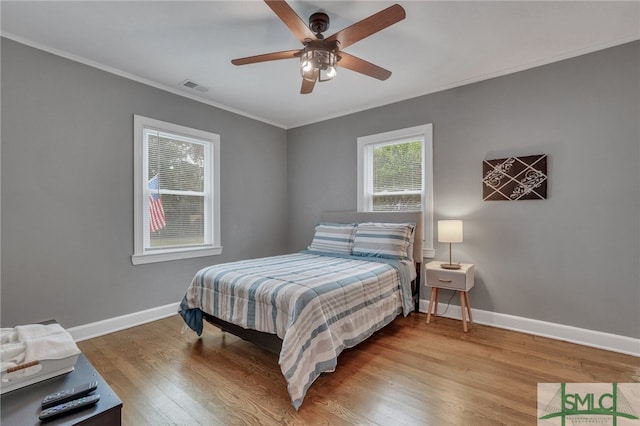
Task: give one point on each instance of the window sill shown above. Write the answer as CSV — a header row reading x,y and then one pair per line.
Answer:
x,y
140,259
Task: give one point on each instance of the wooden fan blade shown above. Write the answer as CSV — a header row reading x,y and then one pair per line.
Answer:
x,y
297,26
360,65
307,86
369,26
286,54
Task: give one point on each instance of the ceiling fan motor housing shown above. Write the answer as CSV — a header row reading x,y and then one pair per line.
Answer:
x,y
319,23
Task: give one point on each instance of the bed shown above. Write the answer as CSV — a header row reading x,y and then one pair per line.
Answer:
x,y
360,272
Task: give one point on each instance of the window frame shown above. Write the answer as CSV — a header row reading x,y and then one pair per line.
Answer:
x,y
365,143
212,246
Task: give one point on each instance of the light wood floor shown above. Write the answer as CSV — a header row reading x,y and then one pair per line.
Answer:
x,y
409,373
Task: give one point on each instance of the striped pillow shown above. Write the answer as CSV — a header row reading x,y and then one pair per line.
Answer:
x,y
333,238
389,240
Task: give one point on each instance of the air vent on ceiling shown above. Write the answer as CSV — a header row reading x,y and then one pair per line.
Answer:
x,y
193,85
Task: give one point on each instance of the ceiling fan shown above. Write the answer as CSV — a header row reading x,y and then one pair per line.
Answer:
x,y
320,56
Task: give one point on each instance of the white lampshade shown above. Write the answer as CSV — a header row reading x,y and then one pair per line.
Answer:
x,y
450,231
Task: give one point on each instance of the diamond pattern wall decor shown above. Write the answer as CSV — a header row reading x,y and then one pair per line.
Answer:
x,y
515,178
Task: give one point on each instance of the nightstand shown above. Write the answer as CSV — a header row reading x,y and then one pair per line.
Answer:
x,y
460,280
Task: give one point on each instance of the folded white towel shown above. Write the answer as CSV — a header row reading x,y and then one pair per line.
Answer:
x,y
33,331
55,346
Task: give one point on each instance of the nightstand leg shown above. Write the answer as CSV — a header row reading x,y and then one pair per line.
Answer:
x,y
466,297
433,303
463,309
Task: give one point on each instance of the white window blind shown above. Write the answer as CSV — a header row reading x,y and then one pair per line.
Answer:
x,y
178,165
396,176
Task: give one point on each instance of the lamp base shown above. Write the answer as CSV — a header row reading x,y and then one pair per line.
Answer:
x,y
450,266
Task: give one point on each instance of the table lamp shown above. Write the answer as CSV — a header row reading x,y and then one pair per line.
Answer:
x,y
450,231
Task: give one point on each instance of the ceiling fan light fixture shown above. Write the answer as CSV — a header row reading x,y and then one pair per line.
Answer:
x,y
318,62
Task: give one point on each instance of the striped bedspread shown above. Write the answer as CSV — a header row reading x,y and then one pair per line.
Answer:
x,y
317,304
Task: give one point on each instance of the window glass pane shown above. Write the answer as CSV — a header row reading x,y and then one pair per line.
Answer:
x,y
397,167
390,203
184,221
179,164
397,176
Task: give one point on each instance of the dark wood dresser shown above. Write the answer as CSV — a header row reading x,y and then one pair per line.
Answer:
x,y
21,407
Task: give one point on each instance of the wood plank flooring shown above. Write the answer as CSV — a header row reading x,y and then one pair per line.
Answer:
x,y
409,373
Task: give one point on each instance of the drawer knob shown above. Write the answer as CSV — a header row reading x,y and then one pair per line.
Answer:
x,y
445,280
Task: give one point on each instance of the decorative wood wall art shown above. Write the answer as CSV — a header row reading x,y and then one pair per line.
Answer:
x,y
515,178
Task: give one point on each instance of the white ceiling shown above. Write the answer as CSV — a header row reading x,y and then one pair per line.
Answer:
x,y
441,44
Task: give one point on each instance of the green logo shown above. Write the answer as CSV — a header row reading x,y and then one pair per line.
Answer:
x,y
588,403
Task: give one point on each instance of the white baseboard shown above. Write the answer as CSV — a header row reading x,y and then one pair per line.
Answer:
x,y
111,325
596,339
581,336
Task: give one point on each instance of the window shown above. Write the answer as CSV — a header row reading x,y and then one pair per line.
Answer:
x,y
177,195
395,173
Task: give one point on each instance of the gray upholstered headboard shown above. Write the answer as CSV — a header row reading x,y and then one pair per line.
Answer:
x,y
351,216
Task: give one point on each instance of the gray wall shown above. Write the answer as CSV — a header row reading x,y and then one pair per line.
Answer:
x,y
67,187
571,259
67,190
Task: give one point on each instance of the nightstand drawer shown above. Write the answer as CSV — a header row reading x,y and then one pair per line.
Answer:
x,y
461,279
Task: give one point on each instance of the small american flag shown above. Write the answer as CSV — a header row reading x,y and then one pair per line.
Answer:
x,y
156,212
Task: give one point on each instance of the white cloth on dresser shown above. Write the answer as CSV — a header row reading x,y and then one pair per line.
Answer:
x,y
33,331
34,342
